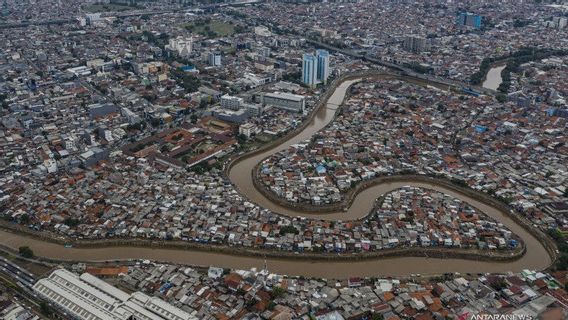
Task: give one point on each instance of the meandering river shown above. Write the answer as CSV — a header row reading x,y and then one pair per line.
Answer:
x,y
536,256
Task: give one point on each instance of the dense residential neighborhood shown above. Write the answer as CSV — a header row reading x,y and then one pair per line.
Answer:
x,y
250,132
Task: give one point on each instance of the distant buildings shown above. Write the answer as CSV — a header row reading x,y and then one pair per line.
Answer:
x,y
215,59
557,23
469,19
416,44
286,101
87,297
315,69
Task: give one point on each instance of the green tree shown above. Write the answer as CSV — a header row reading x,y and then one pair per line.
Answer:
x,y
377,316
26,252
241,138
24,219
501,97
288,229
45,309
71,222
278,292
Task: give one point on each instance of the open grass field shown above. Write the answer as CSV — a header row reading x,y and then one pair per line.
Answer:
x,y
211,29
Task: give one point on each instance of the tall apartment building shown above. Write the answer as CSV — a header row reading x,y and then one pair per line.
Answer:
x,y
416,44
215,59
323,65
469,19
309,70
315,69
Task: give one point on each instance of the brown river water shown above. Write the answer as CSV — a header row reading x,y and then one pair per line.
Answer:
x,y
536,256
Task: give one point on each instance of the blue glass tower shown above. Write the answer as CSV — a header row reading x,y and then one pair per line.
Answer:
x,y
309,70
469,19
323,65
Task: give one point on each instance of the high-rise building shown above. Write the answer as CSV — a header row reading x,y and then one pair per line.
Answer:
x,y
323,65
469,19
416,44
215,59
309,70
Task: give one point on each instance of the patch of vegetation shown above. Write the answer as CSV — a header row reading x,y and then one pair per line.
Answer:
x,y
288,229
519,23
278,292
562,262
501,97
203,167
186,80
45,309
26,252
158,40
213,28
71,222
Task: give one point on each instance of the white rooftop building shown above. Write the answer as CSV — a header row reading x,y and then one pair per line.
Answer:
x,y
286,101
86,297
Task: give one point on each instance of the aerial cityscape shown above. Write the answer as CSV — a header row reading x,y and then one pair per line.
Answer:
x,y
284,159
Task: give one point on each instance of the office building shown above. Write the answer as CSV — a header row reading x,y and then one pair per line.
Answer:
x,y
254,110
323,65
248,129
215,59
181,45
286,101
230,102
309,70
89,298
469,19
416,44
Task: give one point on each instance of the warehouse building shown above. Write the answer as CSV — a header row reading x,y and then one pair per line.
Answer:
x,y
286,101
86,297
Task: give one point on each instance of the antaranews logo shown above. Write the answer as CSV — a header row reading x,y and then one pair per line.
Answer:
x,y
469,316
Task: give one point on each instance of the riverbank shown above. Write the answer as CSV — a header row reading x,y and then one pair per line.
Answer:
x,y
242,171
431,252
392,262
397,264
